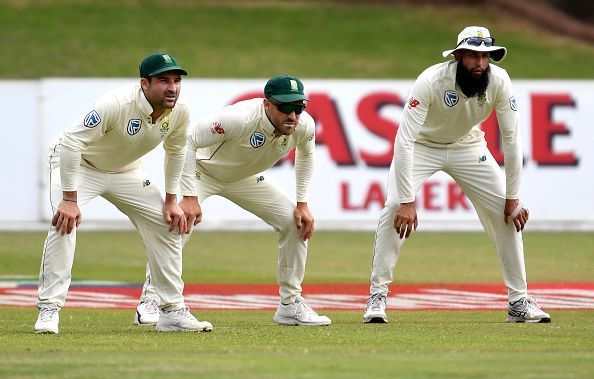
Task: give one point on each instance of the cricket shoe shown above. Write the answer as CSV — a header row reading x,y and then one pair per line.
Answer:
x,y
375,313
147,313
526,310
181,320
48,319
299,313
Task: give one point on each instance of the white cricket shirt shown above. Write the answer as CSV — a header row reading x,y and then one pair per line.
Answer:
x,y
118,131
240,142
438,114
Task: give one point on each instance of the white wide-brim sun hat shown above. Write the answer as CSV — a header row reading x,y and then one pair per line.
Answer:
x,y
497,52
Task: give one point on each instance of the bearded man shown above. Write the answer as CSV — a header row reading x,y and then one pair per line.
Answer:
x,y
440,132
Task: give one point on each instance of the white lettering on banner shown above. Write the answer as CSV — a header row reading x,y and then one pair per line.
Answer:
x,y
357,121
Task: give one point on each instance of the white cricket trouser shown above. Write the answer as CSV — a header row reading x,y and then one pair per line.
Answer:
x,y
483,183
261,196
139,199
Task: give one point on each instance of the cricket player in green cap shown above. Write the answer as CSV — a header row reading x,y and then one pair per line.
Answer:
x,y
99,155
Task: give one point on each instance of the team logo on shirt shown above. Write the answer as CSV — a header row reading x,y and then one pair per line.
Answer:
x,y
450,98
282,146
513,104
92,119
257,139
133,126
482,99
164,128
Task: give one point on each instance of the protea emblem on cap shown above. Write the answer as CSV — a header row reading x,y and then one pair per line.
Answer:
x,y
294,86
479,33
167,58
450,98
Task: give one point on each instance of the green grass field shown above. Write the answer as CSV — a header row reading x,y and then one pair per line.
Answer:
x,y
102,344
247,344
259,39
334,257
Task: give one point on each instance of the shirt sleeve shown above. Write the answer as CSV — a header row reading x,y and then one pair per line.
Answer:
x,y
507,118
415,113
216,129
80,134
175,151
210,131
69,168
304,162
188,182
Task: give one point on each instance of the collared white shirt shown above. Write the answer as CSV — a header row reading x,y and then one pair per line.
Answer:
x,y
118,130
438,114
239,142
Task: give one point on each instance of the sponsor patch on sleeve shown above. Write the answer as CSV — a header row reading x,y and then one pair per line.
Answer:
x,y
513,104
217,128
92,119
413,103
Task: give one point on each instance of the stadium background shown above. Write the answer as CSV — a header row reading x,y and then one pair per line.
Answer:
x,y
313,40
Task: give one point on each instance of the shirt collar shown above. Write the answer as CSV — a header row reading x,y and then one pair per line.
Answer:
x,y
266,124
145,107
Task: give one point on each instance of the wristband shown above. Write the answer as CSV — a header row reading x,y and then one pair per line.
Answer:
x,y
71,200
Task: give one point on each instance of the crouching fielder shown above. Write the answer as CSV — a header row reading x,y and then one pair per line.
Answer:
x,y
439,132
100,156
231,150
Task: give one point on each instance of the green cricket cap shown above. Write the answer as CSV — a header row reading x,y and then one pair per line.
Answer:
x,y
157,63
284,88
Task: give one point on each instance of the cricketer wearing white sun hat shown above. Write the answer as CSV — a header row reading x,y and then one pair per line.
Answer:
x,y
478,38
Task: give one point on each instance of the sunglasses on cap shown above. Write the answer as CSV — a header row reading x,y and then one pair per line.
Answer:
x,y
288,108
476,41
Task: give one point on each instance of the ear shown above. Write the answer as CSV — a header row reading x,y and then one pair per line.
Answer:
x,y
144,83
267,104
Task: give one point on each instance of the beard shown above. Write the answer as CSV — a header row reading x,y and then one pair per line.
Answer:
x,y
469,84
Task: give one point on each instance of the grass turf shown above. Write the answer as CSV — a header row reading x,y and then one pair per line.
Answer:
x,y
334,257
246,344
252,39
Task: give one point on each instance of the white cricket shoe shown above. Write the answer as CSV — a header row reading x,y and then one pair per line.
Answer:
x,y
299,313
48,319
181,320
375,313
147,313
526,310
